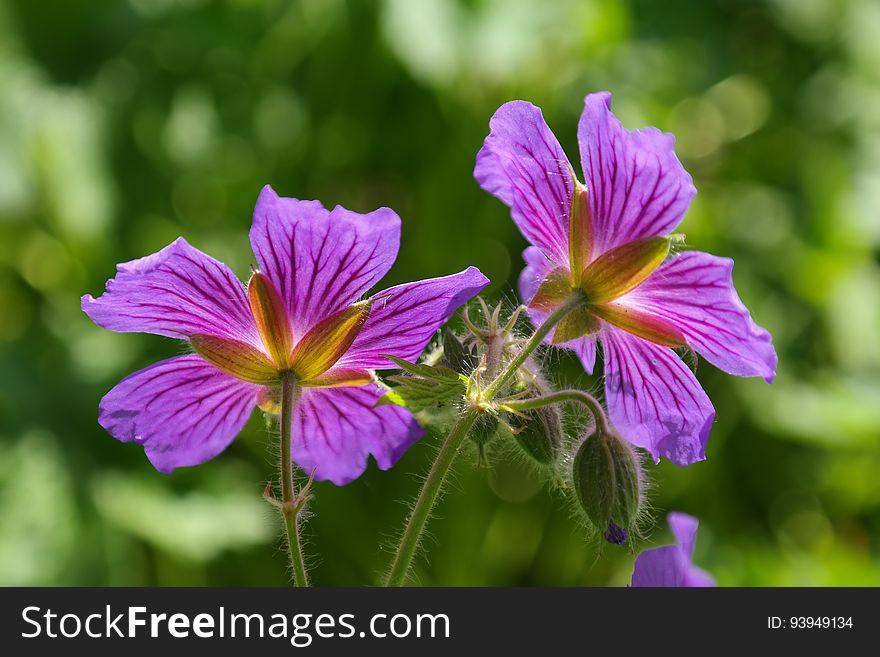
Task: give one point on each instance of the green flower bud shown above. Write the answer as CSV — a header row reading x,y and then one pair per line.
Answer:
x,y
539,434
608,484
484,429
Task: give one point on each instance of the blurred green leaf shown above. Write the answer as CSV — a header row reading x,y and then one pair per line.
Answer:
x,y
196,525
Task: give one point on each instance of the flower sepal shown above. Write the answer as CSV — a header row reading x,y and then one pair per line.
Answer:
x,y
241,360
641,323
339,378
552,292
576,324
327,341
616,272
579,228
271,318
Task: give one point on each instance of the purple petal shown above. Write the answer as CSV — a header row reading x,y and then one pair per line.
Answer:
x,y
663,566
671,565
668,566
336,429
404,318
684,528
698,578
319,260
536,270
637,186
654,400
184,411
176,292
694,291
538,266
585,349
522,163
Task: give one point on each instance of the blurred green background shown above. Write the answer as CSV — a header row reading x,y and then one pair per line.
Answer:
x,y
124,124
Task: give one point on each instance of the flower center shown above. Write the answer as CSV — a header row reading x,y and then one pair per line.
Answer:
x,y
311,359
603,281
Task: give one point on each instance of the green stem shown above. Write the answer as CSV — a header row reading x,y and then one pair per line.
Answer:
x,y
564,396
420,513
290,505
573,302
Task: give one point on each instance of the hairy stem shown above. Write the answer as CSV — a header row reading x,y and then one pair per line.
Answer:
x,y
418,517
572,303
290,505
578,396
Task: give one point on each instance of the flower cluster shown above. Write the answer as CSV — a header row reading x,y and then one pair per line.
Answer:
x,y
301,341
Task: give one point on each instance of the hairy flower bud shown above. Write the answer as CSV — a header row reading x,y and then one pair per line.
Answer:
x,y
607,483
539,434
484,429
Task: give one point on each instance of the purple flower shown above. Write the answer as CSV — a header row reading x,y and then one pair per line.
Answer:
x,y
610,241
671,565
300,312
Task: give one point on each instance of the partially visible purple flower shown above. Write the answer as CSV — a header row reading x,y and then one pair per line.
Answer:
x,y
671,565
609,239
299,313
